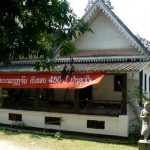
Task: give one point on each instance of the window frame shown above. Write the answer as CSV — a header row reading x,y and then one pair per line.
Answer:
x,y
95,124
118,77
15,117
52,120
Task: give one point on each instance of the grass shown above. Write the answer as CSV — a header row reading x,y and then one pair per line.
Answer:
x,y
67,142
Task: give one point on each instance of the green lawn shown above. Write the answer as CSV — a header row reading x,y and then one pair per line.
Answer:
x,y
67,142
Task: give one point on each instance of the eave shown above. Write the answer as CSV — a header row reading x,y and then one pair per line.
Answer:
x,y
84,66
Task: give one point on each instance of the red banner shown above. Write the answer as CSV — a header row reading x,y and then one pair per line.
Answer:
x,y
47,80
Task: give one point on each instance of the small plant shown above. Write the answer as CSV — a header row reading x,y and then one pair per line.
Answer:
x,y
58,135
141,95
3,95
18,125
136,128
21,125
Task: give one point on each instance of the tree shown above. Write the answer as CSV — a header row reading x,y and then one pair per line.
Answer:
x,y
108,3
144,41
39,28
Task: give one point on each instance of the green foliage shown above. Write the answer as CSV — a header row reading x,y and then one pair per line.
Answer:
x,y
58,136
18,125
136,129
141,95
38,28
134,138
3,95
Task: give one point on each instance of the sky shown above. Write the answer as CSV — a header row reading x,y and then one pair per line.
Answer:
x,y
134,13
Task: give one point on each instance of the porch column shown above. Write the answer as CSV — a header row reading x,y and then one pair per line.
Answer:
x,y
148,86
124,95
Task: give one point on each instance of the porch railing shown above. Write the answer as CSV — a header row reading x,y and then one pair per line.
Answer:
x,y
91,107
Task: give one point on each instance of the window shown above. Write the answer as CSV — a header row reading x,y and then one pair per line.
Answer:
x,y
118,82
95,124
52,120
141,79
15,117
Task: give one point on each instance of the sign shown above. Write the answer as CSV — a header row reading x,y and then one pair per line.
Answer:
x,y
49,80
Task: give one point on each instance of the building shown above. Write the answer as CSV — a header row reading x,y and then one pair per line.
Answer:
x,y
94,97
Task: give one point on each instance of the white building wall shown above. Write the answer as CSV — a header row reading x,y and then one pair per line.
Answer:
x,y
106,36
133,102
116,126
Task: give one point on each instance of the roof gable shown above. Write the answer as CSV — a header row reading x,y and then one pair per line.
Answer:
x,y
105,37
92,14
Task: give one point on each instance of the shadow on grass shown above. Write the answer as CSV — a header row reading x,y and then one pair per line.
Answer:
x,y
35,136
68,136
12,131
102,139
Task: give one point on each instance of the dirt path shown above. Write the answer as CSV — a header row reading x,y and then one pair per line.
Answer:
x,y
6,145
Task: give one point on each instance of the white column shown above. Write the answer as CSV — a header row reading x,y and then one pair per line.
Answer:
x,y
147,85
143,81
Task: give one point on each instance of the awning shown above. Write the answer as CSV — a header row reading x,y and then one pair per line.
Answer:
x,y
47,80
